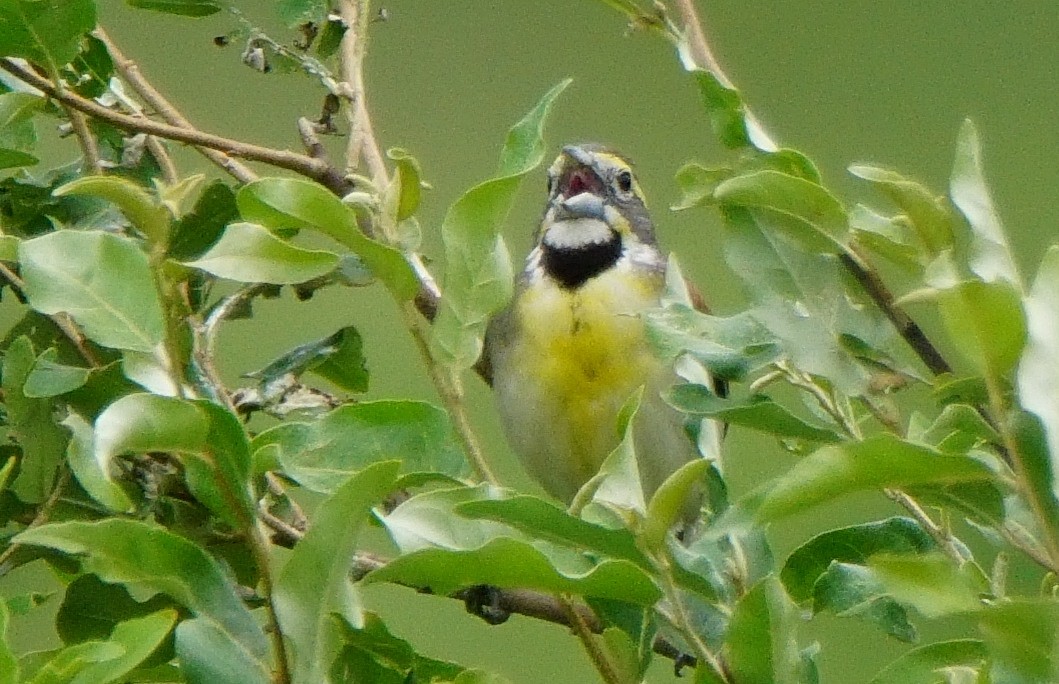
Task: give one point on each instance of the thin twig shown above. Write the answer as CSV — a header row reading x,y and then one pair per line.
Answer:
x,y
41,517
596,653
87,141
284,159
944,539
130,72
362,143
165,162
61,320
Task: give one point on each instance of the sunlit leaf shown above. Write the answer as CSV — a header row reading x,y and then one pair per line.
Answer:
x,y
90,473
45,31
730,347
478,276
297,203
928,215
250,253
1021,636
322,454
888,236
877,462
991,258
930,582
761,644
136,638
50,378
315,581
102,280
1038,372
218,469
144,211
789,195
137,553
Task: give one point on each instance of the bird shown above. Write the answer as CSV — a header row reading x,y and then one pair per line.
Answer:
x,y
571,348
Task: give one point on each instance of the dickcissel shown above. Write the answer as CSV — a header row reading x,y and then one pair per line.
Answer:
x,y
571,348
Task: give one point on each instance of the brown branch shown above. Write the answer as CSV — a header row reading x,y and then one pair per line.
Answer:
x,y
362,143
61,320
87,141
165,162
305,165
873,284
130,71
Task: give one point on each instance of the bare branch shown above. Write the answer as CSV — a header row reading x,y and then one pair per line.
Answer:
x,y
87,141
299,163
130,71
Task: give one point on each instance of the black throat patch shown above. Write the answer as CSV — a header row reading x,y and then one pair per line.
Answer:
x,y
572,266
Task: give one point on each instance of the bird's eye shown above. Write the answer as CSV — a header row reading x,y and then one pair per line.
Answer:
x,y
624,179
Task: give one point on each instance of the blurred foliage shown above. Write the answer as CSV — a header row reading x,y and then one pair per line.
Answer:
x,y
138,476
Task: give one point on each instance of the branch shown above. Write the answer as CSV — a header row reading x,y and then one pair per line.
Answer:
x,y
87,141
130,71
305,165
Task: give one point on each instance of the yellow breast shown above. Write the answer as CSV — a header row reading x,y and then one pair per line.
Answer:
x,y
581,353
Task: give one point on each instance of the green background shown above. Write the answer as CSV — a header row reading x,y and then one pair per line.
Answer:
x,y
843,81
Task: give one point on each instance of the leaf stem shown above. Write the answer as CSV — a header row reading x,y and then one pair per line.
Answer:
x,y
941,536
450,389
682,619
259,546
41,517
597,654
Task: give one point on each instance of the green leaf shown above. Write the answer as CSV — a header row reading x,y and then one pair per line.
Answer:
x,y
199,229
1021,636
8,662
669,503
137,553
924,664
409,183
958,428
985,322
322,454
143,210
315,582
697,184
60,666
877,462
135,640
761,645
208,655
991,258
12,159
337,357
49,378
618,483
730,347
853,544
90,72
757,412
444,551
89,472
890,237
32,425
374,643
16,125
510,563
296,12
45,31
812,205
725,108
187,8
250,253
218,471
102,280
930,582
1038,374
91,609
850,590
928,214
296,203
478,276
